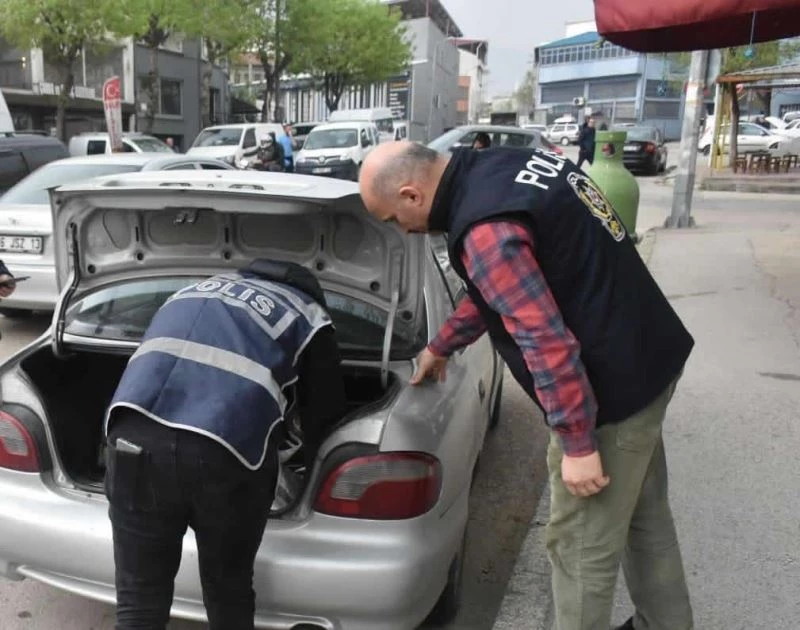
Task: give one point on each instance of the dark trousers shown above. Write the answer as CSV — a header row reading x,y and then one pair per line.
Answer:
x,y
585,156
182,479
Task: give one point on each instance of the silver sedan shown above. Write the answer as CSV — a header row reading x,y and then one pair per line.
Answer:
x,y
372,536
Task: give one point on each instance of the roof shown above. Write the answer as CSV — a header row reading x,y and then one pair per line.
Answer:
x,y
131,159
575,40
478,47
786,75
433,9
498,129
342,124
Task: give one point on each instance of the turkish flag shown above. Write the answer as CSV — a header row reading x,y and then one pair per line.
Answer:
x,y
684,25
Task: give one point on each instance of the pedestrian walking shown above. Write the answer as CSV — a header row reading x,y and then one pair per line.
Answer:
x,y
553,277
586,139
192,434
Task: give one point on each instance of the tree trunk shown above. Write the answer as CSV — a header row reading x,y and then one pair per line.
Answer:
x,y
266,105
276,80
64,97
208,74
150,87
735,114
334,88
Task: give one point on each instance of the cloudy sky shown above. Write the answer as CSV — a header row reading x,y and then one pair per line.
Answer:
x,y
514,28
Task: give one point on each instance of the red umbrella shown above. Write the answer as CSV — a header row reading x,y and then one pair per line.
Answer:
x,y
678,25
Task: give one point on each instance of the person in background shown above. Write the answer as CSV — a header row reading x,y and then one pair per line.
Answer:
x,y
288,152
7,284
586,139
171,143
482,141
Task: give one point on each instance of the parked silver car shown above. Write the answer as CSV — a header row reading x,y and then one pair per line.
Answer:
x,y
26,243
499,135
372,537
564,133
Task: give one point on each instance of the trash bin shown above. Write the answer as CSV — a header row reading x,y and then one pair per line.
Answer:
x,y
613,179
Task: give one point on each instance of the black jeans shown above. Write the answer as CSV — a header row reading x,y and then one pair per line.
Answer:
x,y
182,479
585,156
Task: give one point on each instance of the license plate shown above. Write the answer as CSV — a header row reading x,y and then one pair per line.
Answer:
x,y
323,169
631,149
21,244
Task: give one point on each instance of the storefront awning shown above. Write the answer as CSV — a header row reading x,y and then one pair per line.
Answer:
x,y
684,25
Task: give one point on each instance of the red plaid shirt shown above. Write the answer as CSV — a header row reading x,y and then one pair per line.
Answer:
x,y
499,259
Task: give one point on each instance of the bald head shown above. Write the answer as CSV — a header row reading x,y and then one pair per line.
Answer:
x,y
399,181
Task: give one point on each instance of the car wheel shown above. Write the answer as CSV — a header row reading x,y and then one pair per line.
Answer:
x,y
447,607
565,141
494,417
707,150
16,313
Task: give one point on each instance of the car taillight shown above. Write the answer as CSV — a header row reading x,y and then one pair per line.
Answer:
x,y
386,486
650,147
17,449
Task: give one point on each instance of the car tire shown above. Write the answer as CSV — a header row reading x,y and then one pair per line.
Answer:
x,y
707,150
565,141
497,407
449,602
16,313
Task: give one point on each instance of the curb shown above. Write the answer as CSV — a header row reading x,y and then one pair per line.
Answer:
x,y
528,601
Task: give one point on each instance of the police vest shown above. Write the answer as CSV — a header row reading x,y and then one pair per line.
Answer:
x,y
633,344
217,358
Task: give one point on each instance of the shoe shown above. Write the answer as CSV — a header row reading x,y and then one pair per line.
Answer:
x,y
628,625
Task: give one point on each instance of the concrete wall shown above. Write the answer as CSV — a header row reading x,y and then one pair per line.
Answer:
x,y
186,67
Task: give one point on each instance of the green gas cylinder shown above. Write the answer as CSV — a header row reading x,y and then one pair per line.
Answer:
x,y
613,179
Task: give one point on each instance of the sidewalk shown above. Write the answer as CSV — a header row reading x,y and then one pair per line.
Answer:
x,y
732,432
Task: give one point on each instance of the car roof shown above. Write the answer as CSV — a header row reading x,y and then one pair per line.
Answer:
x,y
104,134
243,125
497,129
349,124
151,160
28,140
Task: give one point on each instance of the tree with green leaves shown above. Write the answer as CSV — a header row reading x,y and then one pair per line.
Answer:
x,y
524,97
63,30
225,27
356,42
151,23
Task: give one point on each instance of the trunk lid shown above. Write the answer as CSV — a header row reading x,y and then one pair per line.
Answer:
x,y
144,225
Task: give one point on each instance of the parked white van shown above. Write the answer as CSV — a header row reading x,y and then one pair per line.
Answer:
x,y
380,116
92,143
232,143
336,149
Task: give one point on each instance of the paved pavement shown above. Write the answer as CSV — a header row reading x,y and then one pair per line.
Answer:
x,y
732,434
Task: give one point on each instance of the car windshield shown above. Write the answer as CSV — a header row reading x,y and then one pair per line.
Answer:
x,y
33,189
331,139
443,143
151,145
220,137
122,312
640,135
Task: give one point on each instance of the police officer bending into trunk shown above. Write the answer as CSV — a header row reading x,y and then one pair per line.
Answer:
x,y
192,434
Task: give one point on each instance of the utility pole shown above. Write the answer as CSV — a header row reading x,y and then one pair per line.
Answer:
x,y
690,135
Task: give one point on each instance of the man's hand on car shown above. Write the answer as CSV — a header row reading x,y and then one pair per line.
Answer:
x,y
429,366
7,285
583,476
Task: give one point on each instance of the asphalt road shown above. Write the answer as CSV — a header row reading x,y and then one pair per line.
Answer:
x,y
506,492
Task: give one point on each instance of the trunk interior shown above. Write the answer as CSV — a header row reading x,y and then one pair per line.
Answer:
x,y
76,393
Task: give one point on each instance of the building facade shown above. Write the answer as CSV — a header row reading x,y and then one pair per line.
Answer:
x,y
581,74
30,86
425,96
472,79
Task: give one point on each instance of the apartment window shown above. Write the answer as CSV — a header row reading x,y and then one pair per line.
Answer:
x,y
171,98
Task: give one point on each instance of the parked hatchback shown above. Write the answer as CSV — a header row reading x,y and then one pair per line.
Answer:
x,y
100,144
565,134
26,229
336,149
645,150
372,536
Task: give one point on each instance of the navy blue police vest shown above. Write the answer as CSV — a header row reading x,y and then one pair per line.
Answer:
x,y
217,358
633,344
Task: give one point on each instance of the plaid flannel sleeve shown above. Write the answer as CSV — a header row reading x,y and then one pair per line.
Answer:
x,y
500,261
465,326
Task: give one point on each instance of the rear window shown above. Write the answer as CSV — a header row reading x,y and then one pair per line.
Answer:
x,y
152,145
641,135
122,312
95,147
33,189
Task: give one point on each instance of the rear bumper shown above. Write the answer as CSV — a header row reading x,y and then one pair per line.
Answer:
x,y
39,292
640,161
340,574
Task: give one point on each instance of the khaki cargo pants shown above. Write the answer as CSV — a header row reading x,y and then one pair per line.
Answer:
x,y
628,522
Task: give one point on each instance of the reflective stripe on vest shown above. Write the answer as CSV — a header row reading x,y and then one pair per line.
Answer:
x,y
216,359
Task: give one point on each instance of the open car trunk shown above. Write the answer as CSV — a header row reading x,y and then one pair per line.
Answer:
x,y
77,391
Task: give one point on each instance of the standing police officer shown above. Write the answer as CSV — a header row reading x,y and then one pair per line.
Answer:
x,y
554,279
191,434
